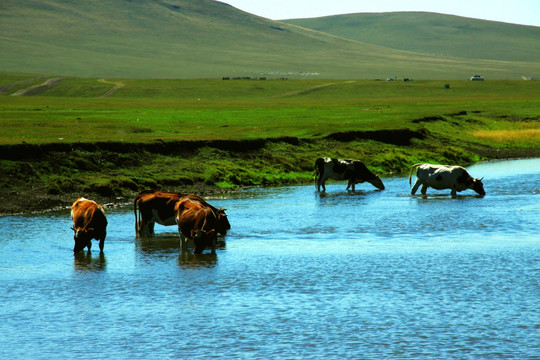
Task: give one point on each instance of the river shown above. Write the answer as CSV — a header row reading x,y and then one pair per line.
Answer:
x,y
365,275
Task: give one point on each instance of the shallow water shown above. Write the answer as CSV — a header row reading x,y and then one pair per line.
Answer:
x,y
370,275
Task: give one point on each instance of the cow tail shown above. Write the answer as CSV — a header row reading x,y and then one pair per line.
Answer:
x,y
137,220
415,166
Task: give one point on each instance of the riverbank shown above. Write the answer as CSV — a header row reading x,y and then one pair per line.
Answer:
x,y
212,137
51,176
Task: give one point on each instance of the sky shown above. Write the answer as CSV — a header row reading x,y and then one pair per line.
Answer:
x,y
524,12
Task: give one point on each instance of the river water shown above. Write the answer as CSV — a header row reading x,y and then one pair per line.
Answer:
x,y
365,275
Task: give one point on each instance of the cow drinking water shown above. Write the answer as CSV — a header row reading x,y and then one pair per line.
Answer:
x,y
89,222
442,177
354,171
198,223
158,206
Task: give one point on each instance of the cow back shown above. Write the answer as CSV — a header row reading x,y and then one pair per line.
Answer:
x,y
159,202
87,214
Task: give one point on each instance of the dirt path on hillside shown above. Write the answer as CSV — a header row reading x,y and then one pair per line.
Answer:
x,y
117,85
310,89
6,87
37,89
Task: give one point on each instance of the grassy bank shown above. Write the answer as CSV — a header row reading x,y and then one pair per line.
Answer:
x,y
213,136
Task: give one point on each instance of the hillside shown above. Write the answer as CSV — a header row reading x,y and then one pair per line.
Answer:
x,y
202,39
435,34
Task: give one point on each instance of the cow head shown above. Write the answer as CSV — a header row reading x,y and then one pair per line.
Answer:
x,y
377,182
478,186
222,222
202,239
82,237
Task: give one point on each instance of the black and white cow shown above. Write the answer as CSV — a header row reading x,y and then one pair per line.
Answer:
x,y
444,177
338,169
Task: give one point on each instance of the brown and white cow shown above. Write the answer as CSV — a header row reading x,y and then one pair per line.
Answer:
x,y
442,177
198,223
158,206
354,171
89,222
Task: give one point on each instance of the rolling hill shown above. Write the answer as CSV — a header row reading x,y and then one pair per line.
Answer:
x,y
204,39
435,34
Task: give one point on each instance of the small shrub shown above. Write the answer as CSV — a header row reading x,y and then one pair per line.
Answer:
x,y
125,183
54,189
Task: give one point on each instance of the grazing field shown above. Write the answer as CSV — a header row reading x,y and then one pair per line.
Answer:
x,y
148,110
208,39
79,137
436,34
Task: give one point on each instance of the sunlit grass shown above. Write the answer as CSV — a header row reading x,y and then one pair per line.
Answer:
x,y
522,135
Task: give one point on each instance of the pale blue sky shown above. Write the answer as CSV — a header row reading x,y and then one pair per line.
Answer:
x,y
526,12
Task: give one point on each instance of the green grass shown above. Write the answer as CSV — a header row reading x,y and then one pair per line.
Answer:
x,y
464,123
146,110
209,39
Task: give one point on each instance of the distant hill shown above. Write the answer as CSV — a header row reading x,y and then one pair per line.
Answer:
x,y
434,34
204,39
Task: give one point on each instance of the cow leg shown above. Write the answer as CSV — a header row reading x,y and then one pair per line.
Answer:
x,y
146,228
183,242
89,246
424,189
214,241
141,231
415,187
101,245
453,192
320,183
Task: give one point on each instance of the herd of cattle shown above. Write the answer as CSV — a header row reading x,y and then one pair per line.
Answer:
x,y
201,222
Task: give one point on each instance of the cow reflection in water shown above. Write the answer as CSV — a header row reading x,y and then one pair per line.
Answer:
x,y
196,261
166,243
162,243
85,262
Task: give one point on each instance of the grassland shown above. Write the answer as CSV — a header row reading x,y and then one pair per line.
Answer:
x,y
435,34
150,110
209,39
211,136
